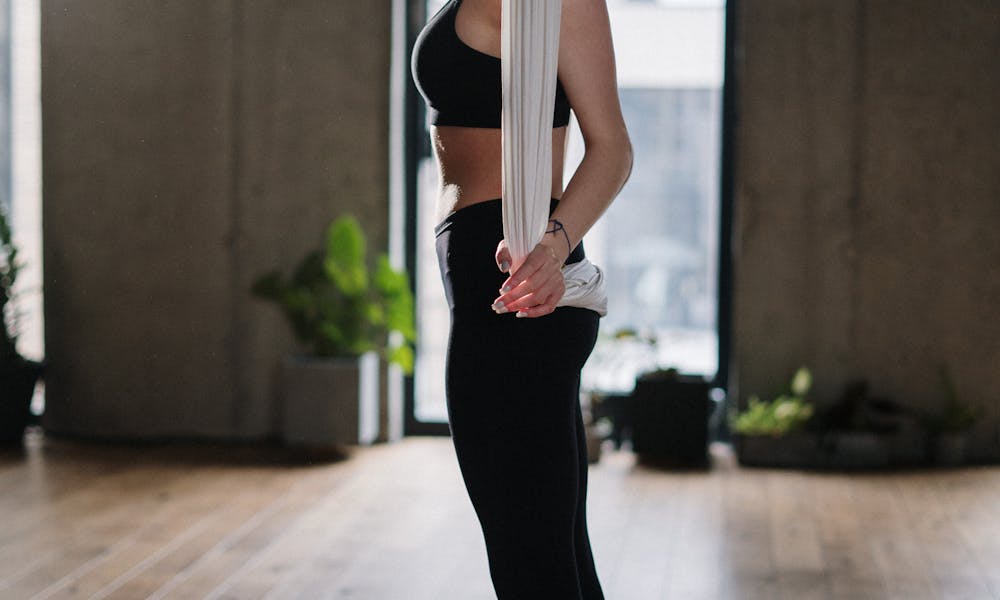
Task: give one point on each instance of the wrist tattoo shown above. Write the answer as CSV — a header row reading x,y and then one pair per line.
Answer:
x,y
557,226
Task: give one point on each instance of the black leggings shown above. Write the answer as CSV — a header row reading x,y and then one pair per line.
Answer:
x,y
513,406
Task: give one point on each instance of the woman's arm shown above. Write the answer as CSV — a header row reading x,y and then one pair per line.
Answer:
x,y
587,73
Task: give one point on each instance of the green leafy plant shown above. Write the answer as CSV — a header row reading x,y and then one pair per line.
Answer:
x,y
18,375
788,412
339,307
9,268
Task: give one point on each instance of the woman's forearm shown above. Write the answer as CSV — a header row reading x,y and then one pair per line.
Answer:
x,y
605,168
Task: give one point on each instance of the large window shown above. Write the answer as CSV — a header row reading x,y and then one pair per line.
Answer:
x,y
20,166
659,240
658,243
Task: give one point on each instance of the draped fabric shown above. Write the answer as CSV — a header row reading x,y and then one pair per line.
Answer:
x,y
529,53
529,58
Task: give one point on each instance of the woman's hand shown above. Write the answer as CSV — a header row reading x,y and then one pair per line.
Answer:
x,y
537,286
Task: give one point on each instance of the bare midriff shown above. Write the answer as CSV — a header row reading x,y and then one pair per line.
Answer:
x,y
470,165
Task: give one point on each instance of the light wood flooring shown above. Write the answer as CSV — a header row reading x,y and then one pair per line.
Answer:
x,y
392,522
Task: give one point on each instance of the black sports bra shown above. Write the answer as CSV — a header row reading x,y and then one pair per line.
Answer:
x,y
460,84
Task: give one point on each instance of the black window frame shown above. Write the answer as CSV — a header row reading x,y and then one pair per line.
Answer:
x,y
416,146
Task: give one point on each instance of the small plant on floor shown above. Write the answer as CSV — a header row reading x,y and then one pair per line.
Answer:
x,y
18,374
955,416
9,268
948,428
858,410
790,411
338,307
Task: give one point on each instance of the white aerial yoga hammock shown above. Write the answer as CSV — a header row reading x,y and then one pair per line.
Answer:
x,y
529,53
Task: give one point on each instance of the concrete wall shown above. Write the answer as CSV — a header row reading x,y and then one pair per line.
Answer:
x,y
868,199
188,147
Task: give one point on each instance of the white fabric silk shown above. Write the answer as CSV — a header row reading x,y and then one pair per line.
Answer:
x,y
585,287
529,55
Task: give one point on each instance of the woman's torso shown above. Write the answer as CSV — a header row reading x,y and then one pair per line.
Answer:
x,y
456,67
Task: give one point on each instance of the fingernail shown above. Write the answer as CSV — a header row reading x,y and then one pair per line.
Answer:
x,y
505,289
499,307
519,314
504,266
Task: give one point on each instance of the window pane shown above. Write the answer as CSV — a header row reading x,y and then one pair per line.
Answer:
x,y
663,281
432,326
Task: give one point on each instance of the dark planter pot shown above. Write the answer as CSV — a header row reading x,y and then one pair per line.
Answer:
x,y
17,386
839,450
670,419
948,449
794,449
908,445
858,450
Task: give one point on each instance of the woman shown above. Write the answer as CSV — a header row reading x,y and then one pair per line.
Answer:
x,y
514,359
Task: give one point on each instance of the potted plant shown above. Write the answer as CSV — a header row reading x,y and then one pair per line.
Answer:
x,y
862,430
670,412
18,375
610,375
347,314
773,433
948,429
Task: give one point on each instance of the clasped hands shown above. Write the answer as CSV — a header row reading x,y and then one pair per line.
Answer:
x,y
537,286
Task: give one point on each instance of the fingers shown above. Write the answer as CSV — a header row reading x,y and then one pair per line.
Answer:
x,y
541,260
536,305
536,311
503,256
536,302
535,288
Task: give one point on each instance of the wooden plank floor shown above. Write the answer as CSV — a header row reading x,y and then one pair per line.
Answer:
x,y
392,522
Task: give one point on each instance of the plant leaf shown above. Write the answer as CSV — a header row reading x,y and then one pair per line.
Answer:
x,y
394,286
402,355
801,382
345,256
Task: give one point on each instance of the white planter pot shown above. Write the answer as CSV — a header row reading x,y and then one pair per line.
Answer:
x,y
329,401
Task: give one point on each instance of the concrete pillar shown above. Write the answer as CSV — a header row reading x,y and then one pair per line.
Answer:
x,y
867,199
188,147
